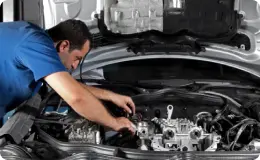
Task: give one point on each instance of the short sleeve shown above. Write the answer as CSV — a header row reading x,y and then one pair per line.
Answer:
x,y
37,53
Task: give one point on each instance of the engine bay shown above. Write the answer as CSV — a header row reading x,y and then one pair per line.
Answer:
x,y
166,125
203,119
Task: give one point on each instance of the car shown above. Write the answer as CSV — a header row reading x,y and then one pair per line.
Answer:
x,y
192,69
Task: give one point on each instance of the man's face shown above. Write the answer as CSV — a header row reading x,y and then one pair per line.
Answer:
x,y
71,59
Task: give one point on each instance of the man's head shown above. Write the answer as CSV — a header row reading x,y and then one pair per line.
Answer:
x,y
72,40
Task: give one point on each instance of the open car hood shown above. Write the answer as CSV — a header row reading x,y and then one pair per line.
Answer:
x,y
242,53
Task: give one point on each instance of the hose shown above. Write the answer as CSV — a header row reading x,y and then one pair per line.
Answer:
x,y
241,130
223,96
235,126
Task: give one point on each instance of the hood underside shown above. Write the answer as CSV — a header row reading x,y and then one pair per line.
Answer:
x,y
243,54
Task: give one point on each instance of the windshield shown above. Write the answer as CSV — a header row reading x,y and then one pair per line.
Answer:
x,y
157,69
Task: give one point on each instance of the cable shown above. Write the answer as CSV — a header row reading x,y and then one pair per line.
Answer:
x,y
61,100
82,61
227,121
80,69
213,123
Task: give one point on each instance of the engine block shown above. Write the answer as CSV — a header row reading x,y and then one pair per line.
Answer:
x,y
176,135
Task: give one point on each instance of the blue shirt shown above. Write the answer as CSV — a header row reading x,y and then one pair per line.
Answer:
x,y
27,54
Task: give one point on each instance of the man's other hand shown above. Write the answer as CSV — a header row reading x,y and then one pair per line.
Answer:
x,y
124,123
124,102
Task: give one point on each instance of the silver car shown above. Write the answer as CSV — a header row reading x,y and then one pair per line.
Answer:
x,y
191,67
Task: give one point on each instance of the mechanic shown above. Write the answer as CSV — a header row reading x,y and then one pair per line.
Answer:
x,y
31,55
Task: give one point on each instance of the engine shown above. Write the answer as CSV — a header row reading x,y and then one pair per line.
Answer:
x,y
157,134
175,135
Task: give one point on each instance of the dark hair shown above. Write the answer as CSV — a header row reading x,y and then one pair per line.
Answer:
x,y
75,31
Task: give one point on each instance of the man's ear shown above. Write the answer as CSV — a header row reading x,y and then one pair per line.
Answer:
x,y
64,46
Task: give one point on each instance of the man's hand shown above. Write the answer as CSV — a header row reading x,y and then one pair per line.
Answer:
x,y
124,102
124,123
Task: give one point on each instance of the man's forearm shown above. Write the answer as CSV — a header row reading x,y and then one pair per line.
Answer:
x,y
99,93
94,111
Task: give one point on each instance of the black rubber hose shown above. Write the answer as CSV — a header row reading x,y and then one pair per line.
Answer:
x,y
235,126
241,130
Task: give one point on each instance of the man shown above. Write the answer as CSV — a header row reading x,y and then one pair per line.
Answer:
x,y
29,55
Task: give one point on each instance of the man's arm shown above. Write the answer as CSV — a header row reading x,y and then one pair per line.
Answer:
x,y
84,102
120,100
99,93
